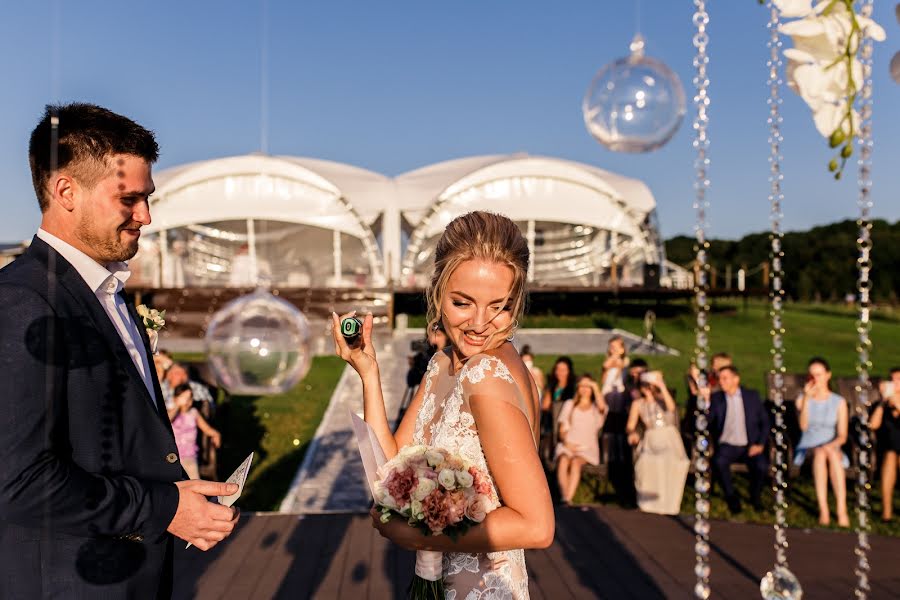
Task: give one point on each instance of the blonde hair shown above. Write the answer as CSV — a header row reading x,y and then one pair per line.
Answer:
x,y
479,235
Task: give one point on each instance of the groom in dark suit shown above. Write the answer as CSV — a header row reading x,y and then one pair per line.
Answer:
x,y
739,426
91,488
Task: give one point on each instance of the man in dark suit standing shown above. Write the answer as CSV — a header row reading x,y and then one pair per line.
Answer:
x,y
91,489
739,427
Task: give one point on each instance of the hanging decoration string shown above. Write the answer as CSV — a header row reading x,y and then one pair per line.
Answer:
x,y
701,286
779,582
776,293
864,323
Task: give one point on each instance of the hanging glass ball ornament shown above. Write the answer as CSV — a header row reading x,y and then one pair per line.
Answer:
x,y
780,584
634,104
258,344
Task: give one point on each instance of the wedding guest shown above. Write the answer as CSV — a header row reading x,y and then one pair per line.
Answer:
x,y
186,420
619,459
718,360
536,373
560,387
614,365
886,421
177,374
662,465
824,422
560,384
580,422
739,427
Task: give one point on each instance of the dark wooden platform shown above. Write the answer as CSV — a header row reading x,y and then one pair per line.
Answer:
x,y
599,552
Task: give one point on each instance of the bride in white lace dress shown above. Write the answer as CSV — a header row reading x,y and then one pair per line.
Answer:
x,y
477,399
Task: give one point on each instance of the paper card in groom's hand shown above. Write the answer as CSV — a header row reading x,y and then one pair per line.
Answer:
x,y
240,478
369,449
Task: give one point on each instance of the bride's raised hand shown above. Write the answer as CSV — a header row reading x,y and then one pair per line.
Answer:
x,y
360,355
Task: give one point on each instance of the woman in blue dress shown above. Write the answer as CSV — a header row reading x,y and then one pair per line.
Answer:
x,y
824,422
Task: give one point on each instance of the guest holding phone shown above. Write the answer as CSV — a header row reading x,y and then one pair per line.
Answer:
x,y
579,425
886,421
824,423
662,465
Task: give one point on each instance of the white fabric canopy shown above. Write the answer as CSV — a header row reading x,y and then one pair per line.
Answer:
x,y
350,199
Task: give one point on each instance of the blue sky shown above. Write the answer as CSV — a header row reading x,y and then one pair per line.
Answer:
x,y
392,86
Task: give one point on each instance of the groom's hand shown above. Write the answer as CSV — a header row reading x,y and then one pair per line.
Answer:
x,y
199,521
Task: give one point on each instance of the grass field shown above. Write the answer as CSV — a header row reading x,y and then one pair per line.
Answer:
x,y
744,333
277,428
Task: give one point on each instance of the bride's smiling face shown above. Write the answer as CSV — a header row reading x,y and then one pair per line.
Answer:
x,y
477,305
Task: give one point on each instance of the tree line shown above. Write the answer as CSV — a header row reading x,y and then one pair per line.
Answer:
x,y
819,264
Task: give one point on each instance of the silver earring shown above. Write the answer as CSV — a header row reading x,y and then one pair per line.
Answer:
x,y
512,334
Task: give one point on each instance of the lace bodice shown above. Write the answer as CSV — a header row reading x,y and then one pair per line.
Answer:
x,y
445,421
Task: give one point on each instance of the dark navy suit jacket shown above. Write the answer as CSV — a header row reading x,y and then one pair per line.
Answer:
x,y
755,416
88,457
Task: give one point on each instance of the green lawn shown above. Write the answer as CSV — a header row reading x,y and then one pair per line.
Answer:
x,y
277,428
744,333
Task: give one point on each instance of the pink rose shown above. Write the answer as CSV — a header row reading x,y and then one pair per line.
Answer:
x,y
481,483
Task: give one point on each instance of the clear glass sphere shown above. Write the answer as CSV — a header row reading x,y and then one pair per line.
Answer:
x,y
634,104
258,344
780,584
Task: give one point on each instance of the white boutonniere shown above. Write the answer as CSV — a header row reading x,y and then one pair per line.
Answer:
x,y
153,320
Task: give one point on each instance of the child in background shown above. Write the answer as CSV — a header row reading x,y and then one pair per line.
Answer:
x,y
185,421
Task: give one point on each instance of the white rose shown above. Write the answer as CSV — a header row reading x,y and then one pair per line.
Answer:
x,y
464,479
447,478
434,458
477,510
385,499
142,310
425,487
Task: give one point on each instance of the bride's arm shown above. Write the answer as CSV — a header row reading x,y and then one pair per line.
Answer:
x,y
362,358
526,519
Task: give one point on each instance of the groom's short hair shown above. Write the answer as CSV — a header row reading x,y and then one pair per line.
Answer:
x,y
86,136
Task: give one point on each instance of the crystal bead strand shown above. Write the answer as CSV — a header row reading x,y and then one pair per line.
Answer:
x,y
701,286
864,324
779,582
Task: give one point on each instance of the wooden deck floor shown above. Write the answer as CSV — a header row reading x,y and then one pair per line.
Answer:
x,y
599,552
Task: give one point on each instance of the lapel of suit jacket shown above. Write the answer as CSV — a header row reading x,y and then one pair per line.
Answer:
x,y
74,283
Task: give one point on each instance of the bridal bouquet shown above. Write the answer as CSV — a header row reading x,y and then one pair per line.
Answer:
x,y
437,492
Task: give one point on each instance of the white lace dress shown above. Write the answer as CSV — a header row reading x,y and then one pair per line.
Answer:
x,y
445,421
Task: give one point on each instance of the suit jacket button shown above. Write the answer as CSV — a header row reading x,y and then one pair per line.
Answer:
x,y
172,458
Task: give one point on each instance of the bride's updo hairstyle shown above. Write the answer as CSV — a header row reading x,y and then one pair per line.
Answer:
x,y
479,235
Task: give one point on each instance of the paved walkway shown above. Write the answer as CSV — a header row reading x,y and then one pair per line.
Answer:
x,y
331,478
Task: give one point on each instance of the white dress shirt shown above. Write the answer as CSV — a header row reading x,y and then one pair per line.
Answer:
x,y
734,432
106,283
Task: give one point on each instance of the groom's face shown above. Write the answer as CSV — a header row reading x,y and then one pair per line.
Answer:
x,y
112,212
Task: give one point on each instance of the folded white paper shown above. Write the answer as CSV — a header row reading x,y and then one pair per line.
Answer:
x,y
369,449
